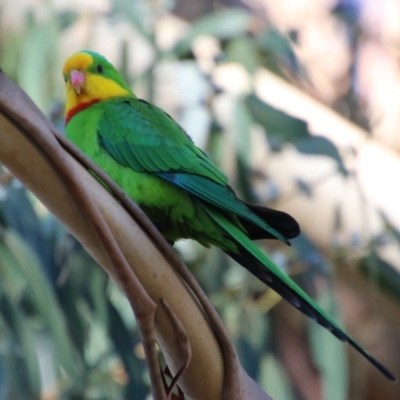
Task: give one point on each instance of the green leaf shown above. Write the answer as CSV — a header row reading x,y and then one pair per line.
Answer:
x,y
35,72
96,287
277,123
274,380
66,18
328,352
385,274
4,378
70,297
28,226
224,25
277,46
123,345
243,50
10,55
135,13
304,187
241,129
272,40
21,330
251,342
282,128
42,297
318,145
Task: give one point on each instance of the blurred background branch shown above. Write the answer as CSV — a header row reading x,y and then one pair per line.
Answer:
x,y
298,103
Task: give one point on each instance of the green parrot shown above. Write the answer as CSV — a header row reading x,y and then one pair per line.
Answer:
x,y
186,196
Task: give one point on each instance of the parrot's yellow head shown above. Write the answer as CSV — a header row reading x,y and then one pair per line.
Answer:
x,y
90,78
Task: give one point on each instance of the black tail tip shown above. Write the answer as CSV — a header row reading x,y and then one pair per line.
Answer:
x,y
389,375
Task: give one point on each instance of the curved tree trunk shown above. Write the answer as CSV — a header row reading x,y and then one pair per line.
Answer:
x,y
182,327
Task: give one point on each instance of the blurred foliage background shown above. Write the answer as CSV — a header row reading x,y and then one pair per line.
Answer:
x,y
298,103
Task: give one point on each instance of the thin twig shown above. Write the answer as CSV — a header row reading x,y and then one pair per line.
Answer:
x,y
183,341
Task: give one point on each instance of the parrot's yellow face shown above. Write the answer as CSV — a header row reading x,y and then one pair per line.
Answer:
x,y
90,78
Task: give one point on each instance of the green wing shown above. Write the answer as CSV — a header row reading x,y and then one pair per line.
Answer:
x,y
143,137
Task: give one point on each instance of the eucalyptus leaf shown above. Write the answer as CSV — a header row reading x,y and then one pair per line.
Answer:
x,y
43,299
69,297
391,228
307,252
329,353
276,122
4,384
243,50
10,55
274,379
283,128
66,18
244,184
338,220
123,345
20,328
318,145
28,226
224,25
15,374
35,72
277,45
253,339
388,275
241,129
304,187
135,13
272,40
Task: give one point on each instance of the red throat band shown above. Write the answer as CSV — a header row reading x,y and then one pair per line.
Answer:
x,y
78,108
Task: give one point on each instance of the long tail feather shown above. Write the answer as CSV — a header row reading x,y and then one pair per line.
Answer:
x,y
254,260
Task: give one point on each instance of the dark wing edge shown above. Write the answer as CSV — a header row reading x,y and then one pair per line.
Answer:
x,y
223,197
282,222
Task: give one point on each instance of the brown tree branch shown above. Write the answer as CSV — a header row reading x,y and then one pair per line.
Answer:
x,y
142,305
213,359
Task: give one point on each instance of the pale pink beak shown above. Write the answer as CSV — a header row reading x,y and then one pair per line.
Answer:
x,y
77,80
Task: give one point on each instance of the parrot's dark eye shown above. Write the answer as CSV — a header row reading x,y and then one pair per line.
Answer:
x,y
99,68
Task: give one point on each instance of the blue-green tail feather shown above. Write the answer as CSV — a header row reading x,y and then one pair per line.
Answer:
x,y
253,259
